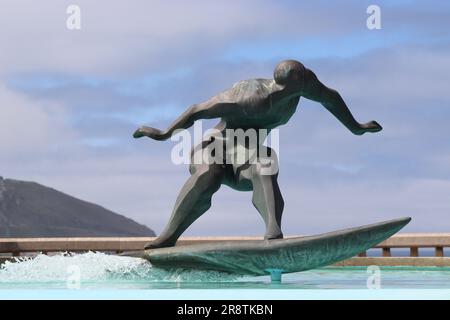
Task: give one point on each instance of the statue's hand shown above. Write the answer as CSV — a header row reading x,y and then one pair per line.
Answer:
x,y
152,133
371,126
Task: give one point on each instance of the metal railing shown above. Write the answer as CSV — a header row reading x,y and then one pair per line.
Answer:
x,y
415,241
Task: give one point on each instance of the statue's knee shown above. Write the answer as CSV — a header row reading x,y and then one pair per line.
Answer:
x,y
264,169
210,176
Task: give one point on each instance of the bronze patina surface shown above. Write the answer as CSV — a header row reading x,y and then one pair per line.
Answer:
x,y
255,104
259,257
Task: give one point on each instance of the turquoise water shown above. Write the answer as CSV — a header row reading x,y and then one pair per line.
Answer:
x,y
99,271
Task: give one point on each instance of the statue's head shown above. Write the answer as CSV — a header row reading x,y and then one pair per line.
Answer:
x,y
289,73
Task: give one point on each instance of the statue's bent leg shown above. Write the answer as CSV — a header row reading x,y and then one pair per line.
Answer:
x,y
194,200
268,201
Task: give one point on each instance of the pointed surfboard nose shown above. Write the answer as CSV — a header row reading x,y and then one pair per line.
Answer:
x,y
393,226
390,227
401,222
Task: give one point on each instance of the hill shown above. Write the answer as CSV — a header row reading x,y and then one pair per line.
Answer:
x,y
28,209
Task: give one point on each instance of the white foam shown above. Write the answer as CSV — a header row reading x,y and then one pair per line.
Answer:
x,y
91,266
97,266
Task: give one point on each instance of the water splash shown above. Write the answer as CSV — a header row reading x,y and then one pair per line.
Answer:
x,y
96,266
104,271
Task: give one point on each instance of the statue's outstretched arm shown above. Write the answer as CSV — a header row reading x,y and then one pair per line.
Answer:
x,y
333,102
207,110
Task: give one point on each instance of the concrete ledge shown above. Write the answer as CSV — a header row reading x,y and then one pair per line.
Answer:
x,y
11,245
8,245
396,261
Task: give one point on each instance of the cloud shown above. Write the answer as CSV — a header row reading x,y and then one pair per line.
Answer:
x,y
133,38
28,127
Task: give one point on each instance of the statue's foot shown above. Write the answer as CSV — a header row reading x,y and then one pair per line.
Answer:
x,y
158,244
272,236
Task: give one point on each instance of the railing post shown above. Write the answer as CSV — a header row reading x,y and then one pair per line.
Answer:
x,y
439,252
362,254
414,252
386,252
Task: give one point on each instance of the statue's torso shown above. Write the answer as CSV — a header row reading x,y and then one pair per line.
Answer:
x,y
260,104
256,104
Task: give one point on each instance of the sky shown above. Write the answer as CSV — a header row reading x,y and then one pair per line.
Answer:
x,y
71,99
